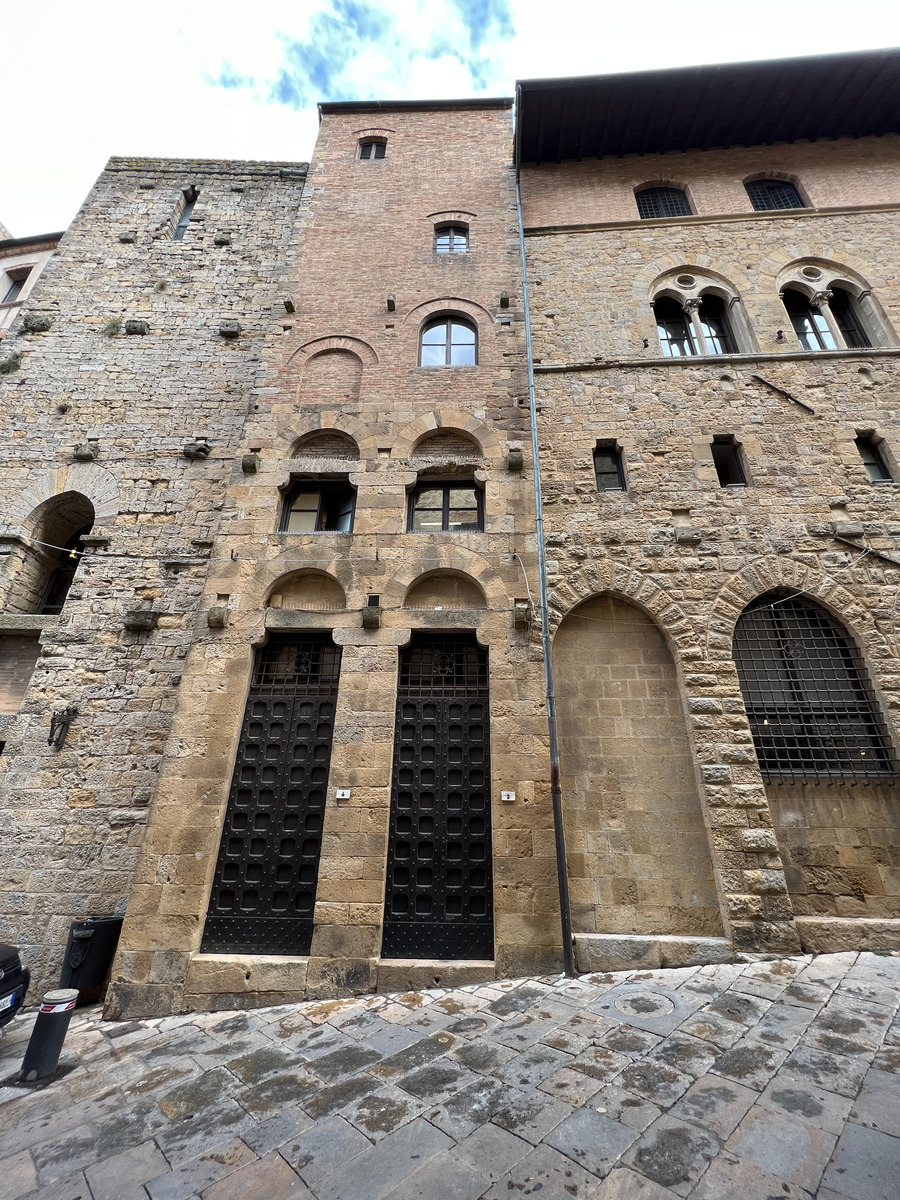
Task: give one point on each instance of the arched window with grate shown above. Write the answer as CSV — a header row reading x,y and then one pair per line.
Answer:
x,y
769,194
807,695
662,202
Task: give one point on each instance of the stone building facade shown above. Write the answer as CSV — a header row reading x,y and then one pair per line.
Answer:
x,y
21,263
719,483
272,597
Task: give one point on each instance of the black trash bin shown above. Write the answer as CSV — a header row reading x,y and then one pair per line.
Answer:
x,y
89,954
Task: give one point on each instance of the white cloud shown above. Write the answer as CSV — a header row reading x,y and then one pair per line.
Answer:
x,y
83,81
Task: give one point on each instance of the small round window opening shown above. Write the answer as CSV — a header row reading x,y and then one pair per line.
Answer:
x,y
372,148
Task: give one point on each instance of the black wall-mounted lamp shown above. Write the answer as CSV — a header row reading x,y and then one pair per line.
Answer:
x,y
60,723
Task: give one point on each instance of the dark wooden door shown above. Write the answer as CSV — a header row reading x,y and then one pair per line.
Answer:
x,y
264,888
439,897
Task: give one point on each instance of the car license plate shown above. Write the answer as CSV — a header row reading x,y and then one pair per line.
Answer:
x,y
7,1001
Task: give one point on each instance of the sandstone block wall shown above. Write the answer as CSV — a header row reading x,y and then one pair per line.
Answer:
x,y
73,820
692,554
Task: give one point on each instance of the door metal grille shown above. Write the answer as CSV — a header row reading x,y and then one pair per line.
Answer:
x,y
264,887
807,697
439,896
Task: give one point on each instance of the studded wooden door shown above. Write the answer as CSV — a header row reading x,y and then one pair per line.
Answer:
x,y
439,898
265,882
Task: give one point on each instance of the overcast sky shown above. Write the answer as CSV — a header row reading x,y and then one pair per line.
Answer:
x,y
84,79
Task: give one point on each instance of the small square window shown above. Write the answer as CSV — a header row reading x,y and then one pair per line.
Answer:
x,y
13,284
446,508
608,468
451,239
319,508
372,149
726,454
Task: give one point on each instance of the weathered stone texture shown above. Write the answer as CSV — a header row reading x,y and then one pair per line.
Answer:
x,y
73,820
692,554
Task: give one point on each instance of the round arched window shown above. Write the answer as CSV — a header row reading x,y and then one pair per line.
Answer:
x,y
448,342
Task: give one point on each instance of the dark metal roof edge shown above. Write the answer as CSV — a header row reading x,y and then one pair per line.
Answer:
x,y
666,73
349,106
33,239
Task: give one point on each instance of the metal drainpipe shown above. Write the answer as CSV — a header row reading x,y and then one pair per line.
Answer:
x,y
555,791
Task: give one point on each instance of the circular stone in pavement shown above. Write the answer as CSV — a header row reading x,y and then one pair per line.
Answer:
x,y
644,1004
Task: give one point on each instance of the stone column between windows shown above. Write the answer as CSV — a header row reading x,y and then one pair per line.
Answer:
x,y
692,308
821,301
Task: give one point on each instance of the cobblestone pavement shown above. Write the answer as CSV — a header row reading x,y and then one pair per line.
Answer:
x,y
738,1082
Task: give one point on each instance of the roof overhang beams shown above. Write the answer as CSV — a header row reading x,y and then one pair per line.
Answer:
x,y
697,108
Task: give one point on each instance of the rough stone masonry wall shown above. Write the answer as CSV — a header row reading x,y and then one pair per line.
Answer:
x,y
692,554
73,820
345,362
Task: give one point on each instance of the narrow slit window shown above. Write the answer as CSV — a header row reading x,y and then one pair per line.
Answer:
x,y
608,468
726,454
190,199
769,194
873,461
371,149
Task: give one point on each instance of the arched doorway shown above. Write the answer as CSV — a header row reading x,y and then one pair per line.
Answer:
x,y
825,755
638,851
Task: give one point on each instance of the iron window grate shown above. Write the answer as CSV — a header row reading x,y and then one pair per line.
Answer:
x,y
310,666
807,696
662,202
768,194
444,665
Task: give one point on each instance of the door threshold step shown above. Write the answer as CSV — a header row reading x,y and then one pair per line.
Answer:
x,y
418,974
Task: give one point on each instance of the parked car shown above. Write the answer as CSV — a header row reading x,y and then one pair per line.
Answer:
x,y
14,981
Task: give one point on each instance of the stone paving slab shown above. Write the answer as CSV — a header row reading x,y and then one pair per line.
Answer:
x,y
753,1081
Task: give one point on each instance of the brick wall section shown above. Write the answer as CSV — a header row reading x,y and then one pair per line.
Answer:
x,y
829,174
345,362
692,554
73,820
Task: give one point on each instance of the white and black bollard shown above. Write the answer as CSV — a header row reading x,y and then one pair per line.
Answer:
x,y
48,1035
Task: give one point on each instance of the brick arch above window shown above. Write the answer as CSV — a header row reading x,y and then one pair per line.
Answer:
x,y
481,433
335,341
294,432
454,216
